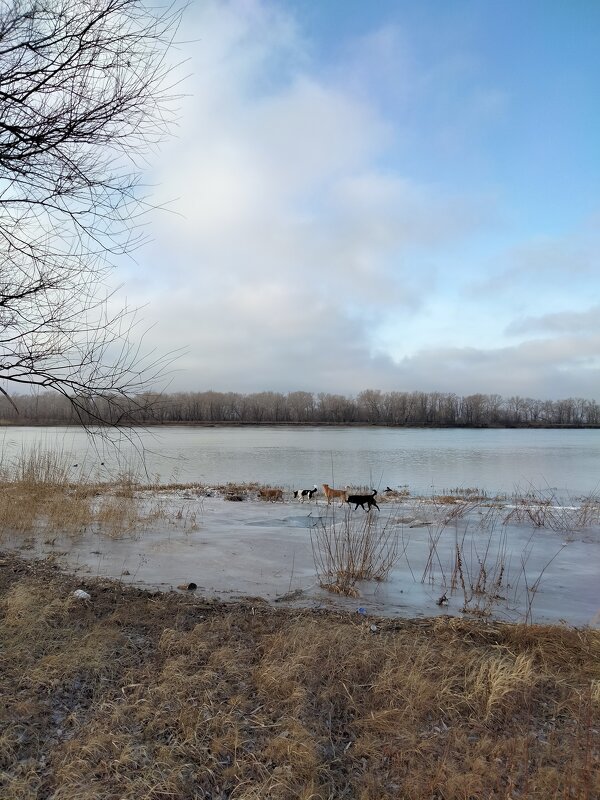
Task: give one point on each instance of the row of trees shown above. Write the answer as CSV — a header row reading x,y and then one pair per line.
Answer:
x,y
370,407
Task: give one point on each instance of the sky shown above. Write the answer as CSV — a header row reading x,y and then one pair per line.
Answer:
x,y
394,195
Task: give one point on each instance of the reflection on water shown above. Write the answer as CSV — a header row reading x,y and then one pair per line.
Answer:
x,y
427,460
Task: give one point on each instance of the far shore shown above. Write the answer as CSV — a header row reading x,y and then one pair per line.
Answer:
x,y
30,423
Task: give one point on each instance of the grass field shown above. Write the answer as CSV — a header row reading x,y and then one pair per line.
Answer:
x,y
145,696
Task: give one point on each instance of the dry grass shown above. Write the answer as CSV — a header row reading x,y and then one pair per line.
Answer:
x,y
483,566
148,696
138,696
542,509
353,547
39,494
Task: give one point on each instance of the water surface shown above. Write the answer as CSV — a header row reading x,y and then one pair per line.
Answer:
x,y
427,460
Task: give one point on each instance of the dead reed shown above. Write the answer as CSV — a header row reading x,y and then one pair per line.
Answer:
x,y
542,509
350,547
39,494
479,563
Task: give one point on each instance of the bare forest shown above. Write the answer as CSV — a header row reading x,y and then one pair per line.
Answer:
x,y
369,407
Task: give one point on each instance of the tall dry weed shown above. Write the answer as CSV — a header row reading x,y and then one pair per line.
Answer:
x,y
353,547
502,683
543,509
39,493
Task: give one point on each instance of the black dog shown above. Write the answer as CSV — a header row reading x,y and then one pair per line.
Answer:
x,y
361,499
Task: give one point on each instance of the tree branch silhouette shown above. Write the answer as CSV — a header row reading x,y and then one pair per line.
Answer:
x,y
86,94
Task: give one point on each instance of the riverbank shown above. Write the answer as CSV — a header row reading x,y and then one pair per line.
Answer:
x,y
49,423
132,694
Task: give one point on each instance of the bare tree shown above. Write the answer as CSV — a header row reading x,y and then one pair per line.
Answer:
x,y
85,95
301,406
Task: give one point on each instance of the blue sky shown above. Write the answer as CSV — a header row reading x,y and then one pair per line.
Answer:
x,y
391,195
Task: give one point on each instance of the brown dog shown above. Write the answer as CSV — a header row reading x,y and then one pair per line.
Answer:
x,y
331,494
270,494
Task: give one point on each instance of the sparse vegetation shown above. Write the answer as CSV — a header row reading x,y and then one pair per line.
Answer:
x,y
145,696
466,551
543,509
470,551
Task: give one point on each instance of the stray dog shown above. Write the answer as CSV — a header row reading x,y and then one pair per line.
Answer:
x,y
331,494
361,499
270,494
302,494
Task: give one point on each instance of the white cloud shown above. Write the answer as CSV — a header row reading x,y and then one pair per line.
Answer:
x,y
542,264
567,366
296,241
289,243
587,321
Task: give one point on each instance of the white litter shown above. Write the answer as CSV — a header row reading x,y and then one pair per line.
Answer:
x,y
81,595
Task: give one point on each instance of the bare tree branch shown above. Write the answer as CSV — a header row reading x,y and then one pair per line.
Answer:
x,y
86,91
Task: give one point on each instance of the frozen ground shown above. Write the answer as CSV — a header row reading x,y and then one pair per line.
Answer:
x,y
512,571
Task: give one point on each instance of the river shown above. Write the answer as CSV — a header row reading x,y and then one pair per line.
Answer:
x,y
428,461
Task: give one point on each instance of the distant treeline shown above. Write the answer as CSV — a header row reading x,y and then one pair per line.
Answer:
x,y
370,407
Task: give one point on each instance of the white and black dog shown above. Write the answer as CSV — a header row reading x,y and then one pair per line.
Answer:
x,y
302,494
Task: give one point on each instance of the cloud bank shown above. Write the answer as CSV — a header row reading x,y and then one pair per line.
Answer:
x,y
301,252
